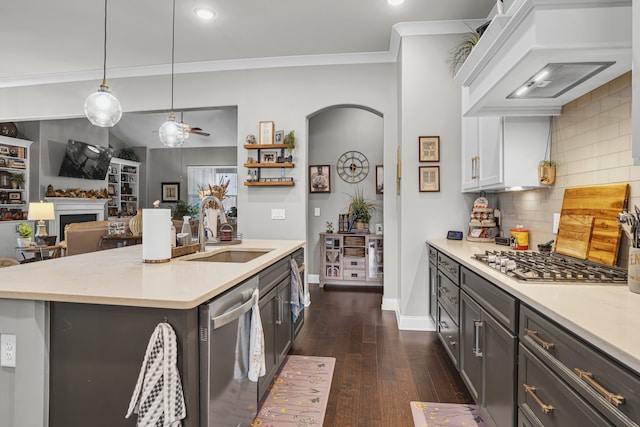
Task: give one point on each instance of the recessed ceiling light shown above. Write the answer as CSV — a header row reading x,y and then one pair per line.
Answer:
x,y
395,2
204,13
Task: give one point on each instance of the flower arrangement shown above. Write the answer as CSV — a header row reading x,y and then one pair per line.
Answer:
x,y
219,191
360,208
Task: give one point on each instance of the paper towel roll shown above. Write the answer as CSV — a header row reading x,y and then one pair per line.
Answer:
x,y
156,235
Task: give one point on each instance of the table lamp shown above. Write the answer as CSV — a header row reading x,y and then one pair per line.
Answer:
x,y
41,211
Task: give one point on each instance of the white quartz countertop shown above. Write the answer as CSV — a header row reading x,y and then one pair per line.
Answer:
x,y
607,316
120,277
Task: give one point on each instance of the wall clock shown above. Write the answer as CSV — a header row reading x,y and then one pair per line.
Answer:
x,y
353,166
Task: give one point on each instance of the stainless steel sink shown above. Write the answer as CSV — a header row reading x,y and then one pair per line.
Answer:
x,y
230,255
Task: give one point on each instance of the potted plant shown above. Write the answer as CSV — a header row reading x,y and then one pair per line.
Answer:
x,y
17,180
547,172
127,153
360,209
24,233
459,53
290,142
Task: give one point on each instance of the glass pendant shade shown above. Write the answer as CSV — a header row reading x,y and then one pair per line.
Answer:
x,y
171,132
101,108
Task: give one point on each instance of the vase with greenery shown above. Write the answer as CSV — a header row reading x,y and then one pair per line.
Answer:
x,y
127,153
290,143
459,53
24,233
360,209
547,172
182,209
17,179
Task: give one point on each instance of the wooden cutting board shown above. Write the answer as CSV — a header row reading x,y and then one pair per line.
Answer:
x,y
604,203
574,235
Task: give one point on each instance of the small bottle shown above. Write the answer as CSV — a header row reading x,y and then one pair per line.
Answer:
x,y
173,235
186,228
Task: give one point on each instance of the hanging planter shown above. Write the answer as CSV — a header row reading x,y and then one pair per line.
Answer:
x,y
547,172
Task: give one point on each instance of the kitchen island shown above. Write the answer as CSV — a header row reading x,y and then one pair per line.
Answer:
x,y
535,352
99,312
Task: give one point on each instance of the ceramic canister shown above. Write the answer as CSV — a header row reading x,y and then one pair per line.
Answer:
x,y
634,270
519,239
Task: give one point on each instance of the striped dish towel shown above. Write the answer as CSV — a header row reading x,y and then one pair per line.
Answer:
x,y
157,398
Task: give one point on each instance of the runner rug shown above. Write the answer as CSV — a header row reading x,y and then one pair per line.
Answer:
x,y
430,414
299,394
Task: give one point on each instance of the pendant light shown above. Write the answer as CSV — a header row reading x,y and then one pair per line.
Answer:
x,y
171,132
101,108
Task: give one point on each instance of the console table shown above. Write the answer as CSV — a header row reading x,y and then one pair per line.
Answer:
x,y
40,252
351,259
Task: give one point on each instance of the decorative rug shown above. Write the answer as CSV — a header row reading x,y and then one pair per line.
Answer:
x,y
431,414
299,394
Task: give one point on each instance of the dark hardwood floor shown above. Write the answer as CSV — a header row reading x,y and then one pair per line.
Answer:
x,y
379,369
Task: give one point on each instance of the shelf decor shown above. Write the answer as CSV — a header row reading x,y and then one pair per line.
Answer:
x,y
429,148
266,132
429,178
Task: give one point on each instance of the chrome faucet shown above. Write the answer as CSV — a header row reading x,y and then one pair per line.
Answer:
x,y
202,238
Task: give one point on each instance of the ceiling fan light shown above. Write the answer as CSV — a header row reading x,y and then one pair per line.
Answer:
x,y
171,133
102,108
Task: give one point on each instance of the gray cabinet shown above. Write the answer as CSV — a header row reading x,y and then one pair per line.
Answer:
x,y
488,347
275,313
593,379
448,310
433,284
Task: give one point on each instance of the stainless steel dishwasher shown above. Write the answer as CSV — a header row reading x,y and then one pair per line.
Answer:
x,y
227,397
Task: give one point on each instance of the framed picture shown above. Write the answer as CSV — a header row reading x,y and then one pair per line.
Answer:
x,y
170,191
266,132
14,196
429,178
379,179
4,150
429,148
320,179
268,156
3,162
279,137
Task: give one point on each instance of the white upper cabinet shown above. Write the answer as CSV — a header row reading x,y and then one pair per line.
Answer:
x,y
502,153
581,44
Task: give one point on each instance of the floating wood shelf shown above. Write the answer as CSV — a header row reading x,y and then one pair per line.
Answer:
x,y
263,146
269,165
270,184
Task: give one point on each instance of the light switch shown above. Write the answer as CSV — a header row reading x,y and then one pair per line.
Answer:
x,y
316,212
8,350
556,222
277,214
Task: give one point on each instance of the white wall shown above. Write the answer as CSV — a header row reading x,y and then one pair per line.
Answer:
x,y
23,396
430,105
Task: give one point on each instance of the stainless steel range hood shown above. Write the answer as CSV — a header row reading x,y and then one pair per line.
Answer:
x,y
580,44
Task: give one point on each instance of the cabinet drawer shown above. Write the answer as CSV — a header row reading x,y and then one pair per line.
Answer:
x,y
348,274
564,353
433,255
500,304
272,275
449,267
354,240
448,333
449,296
353,263
545,398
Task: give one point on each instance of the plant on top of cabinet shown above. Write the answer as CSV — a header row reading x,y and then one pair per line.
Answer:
x,y
360,208
290,142
459,53
127,153
547,172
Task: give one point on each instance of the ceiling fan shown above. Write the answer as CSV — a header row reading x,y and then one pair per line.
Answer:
x,y
188,129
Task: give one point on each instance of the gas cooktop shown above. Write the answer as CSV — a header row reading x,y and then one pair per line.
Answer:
x,y
527,266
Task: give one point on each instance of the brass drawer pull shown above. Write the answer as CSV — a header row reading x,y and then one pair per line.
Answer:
x,y
534,336
452,342
453,300
531,390
587,376
443,325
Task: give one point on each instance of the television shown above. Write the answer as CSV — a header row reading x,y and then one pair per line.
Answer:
x,y
86,161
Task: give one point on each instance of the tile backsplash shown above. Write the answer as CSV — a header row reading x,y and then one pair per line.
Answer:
x,y
591,142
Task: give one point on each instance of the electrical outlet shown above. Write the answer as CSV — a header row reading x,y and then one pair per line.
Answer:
x,y
316,212
8,350
277,214
556,222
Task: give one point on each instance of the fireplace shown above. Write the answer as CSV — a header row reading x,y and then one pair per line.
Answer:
x,y
70,210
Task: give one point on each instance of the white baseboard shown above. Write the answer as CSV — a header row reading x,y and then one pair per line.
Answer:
x,y
408,323
313,278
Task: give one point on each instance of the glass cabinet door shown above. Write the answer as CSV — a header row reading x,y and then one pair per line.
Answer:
x,y
333,257
375,258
